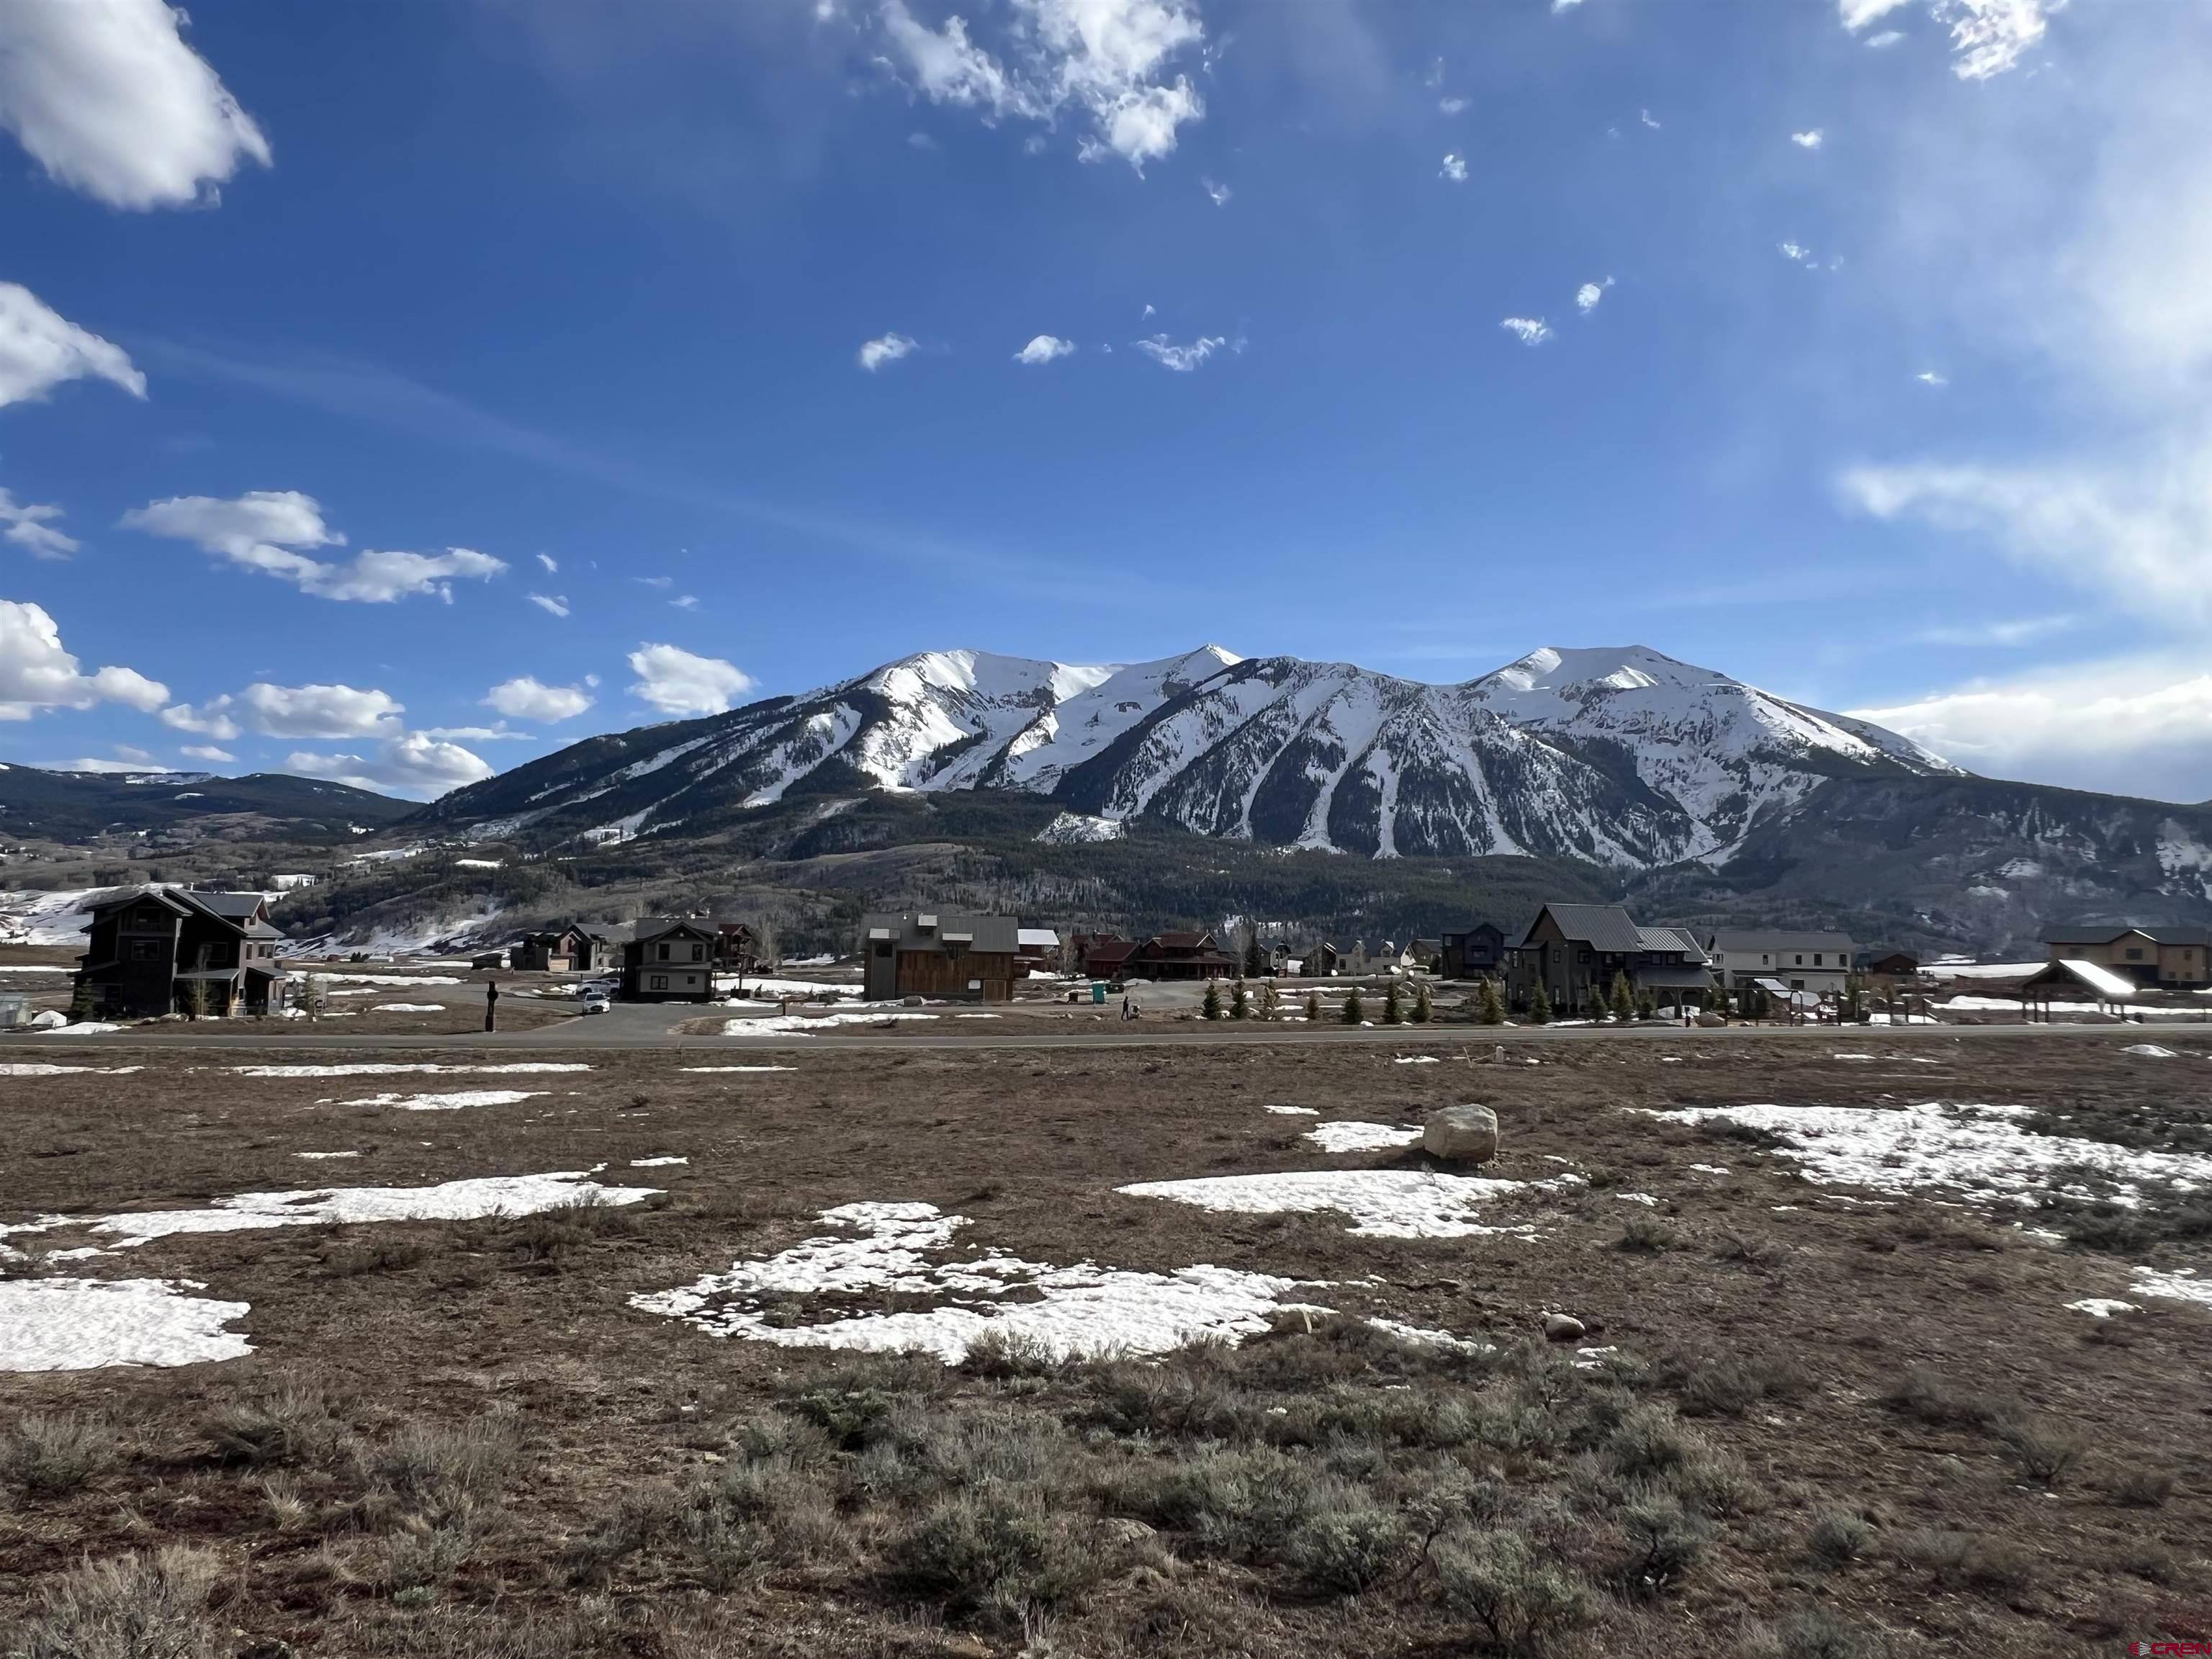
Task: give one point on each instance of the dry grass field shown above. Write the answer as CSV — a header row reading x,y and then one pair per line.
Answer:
x,y
1804,1418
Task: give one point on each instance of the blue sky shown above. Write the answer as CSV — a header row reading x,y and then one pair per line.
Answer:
x,y
1857,350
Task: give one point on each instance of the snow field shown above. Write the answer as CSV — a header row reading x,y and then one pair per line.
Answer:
x,y
1085,1310
1360,1137
81,1324
455,1100
1381,1203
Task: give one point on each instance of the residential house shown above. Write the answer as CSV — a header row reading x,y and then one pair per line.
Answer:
x,y
1322,961
1571,949
2157,956
561,951
669,961
945,954
1038,948
1103,956
1475,952
1180,955
169,949
1819,963
1897,967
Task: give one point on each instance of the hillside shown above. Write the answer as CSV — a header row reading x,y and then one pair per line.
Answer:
x,y
76,806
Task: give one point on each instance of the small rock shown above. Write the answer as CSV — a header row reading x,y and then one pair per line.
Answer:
x,y
1461,1135
1563,1328
1124,1530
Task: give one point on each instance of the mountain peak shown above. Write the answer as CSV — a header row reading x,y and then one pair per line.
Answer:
x,y
1619,667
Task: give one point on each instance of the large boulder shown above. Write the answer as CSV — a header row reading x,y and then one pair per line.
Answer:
x,y
1461,1135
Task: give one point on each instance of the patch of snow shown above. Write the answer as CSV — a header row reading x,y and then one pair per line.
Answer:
x,y
82,1028
1710,1168
379,979
40,1068
409,1008
451,1101
2148,1051
1381,1203
1636,1198
391,1068
1291,1111
803,1025
1416,1059
2102,1307
741,1068
885,1248
323,1155
1360,1137
2181,1284
655,1163
1850,1056
1080,829
1976,1150
81,1324
1431,1339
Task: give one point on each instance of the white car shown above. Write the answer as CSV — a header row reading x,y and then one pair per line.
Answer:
x,y
595,1002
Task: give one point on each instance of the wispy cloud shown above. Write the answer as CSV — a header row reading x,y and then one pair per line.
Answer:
x,y
275,531
40,347
1218,192
31,527
1645,116
555,603
1529,330
883,349
1588,295
1454,168
1180,358
549,561
1930,377
1988,37
1451,106
1797,253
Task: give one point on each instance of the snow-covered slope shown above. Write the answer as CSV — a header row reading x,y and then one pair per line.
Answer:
x,y
1622,755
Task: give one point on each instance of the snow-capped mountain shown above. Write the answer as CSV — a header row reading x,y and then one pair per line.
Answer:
x,y
1622,755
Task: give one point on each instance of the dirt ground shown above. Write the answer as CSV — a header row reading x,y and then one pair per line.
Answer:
x,y
1836,1427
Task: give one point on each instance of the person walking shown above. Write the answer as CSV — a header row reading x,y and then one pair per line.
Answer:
x,y
491,1005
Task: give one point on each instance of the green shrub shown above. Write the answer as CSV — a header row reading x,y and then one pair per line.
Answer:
x,y
1005,1548
2045,1449
1663,1543
46,1454
1349,1548
1520,1596
1840,1537
1644,1234
293,1424
132,1606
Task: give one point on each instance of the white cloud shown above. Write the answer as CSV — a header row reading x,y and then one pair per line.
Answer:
x,y
36,673
264,530
550,564
1180,358
31,527
1810,140
2140,726
525,699
654,582
2139,536
1105,59
1559,6
1887,38
1044,349
40,347
212,719
1644,116
676,682
206,751
319,711
416,764
556,603
885,347
1588,295
145,762
105,95
685,601
1930,377
1454,168
1218,193
1529,330
1988,37
1797,251
1451,105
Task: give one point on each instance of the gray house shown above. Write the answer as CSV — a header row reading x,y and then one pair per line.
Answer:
x,y
1819,963
1574,950
933,953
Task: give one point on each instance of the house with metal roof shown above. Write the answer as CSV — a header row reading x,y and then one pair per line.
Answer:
x,y
1817,962
152,951
945,954
1574,950
2153,956
669,961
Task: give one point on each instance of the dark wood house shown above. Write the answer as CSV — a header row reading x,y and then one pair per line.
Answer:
x,y
1475,952
561,951
943,954
169,949
1180,956
669,961
1571,949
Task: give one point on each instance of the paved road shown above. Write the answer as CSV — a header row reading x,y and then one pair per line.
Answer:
x,y
649,1026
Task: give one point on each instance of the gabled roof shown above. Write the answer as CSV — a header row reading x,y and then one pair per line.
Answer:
x,y
1604,927
985,935
1671,938
664,927
1773,944
2103,981
162,896
1044,936
232,907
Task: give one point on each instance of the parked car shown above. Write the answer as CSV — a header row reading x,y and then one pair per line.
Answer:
x,y
595,1002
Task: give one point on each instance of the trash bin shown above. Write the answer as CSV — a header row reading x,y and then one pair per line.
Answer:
x,y
1097,994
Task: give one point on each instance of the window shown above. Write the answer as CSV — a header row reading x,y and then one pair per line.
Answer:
x,y
1816,958
883,948
1801,961
659,982
1582,956
698,953
2135,953
146,950
664,953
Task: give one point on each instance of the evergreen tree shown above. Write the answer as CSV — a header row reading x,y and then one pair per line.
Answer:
x,y
84,1001
1212,1007
1595,1007
1717,1002
1393,1012
1647,1005
1313,1007
1849,1007
1240,1003
1489,1006
1255,962
1353,1013
1540,1007
1425,1007
1623,999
